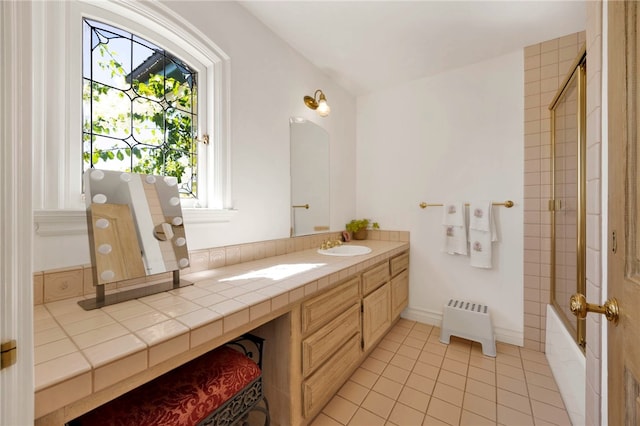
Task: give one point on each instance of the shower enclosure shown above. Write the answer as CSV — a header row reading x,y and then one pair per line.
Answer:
x,y
568,195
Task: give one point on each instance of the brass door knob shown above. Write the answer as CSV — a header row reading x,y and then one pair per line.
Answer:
x,y
580,307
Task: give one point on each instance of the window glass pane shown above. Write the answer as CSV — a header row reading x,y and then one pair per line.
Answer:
x,y
139,107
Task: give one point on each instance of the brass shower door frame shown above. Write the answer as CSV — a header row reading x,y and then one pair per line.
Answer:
x,y
577,73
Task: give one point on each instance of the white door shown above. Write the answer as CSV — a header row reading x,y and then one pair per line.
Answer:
x,y
16,223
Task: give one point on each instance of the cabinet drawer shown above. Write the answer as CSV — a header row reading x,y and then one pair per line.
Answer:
x,y
399,264
374,278
399,293
321,309
322,385
319,347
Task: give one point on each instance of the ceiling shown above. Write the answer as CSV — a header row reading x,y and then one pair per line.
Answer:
x,y
369,45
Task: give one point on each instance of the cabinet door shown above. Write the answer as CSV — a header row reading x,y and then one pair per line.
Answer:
x,y
399,293
376,315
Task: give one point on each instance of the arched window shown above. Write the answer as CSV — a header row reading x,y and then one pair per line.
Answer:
x,y
140,107
167,97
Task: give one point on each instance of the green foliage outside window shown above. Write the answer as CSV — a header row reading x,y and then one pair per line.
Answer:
x,y
139,120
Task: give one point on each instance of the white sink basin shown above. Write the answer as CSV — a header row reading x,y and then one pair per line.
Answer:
x,y
345,250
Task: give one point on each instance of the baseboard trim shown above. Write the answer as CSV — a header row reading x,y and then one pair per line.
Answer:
x,y
512,337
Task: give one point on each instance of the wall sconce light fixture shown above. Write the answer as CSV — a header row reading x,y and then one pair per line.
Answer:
x,y
318,103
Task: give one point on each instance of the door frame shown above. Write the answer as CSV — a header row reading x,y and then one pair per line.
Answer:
x,y
16,216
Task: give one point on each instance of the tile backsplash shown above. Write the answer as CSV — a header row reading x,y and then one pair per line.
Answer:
x,y
76,281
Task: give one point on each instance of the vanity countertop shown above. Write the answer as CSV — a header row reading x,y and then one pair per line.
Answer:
x,y
79,354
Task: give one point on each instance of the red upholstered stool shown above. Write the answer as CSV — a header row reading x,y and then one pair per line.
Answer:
x,y
217,388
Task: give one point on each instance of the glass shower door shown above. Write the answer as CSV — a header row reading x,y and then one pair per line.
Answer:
x,y
568,203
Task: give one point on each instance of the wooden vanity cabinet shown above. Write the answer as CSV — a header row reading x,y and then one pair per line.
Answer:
x,y
376,304
330,343
399,266
333,332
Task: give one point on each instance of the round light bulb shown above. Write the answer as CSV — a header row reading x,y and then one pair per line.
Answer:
x,y
97,175
107,275
104,248
99,198
171,180
102,223
150,179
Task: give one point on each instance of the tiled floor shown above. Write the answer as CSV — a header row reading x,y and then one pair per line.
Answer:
x,y
413,379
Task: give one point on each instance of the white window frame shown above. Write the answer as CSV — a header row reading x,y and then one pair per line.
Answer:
x,y
57,106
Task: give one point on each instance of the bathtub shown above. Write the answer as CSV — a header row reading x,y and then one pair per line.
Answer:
x,y
568,365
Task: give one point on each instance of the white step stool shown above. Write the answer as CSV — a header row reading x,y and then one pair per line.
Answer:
x,y
470,321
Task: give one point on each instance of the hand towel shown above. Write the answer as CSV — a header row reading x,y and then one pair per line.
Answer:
x,y
482,233
454,229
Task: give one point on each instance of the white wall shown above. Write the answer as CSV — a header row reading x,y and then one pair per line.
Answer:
x,y
268,82
455,136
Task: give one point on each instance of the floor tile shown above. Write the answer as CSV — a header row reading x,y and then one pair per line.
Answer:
x,y
388,387
411,378
353,392
364,377
444,411
514,401
366,418
340,409
452,379
378,404
471,419
480,406
448,393
406,416
547,396
509,416
414,399
374,365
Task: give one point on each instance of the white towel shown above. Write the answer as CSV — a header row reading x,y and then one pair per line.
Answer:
x,y
454,229
482,232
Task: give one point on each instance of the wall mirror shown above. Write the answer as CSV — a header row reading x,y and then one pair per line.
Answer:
x,y
309,177
135,230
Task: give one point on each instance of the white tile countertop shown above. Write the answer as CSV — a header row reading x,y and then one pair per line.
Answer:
x,y
107,351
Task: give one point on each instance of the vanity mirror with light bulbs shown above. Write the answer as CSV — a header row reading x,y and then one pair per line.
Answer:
x,y
136,230
310,179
